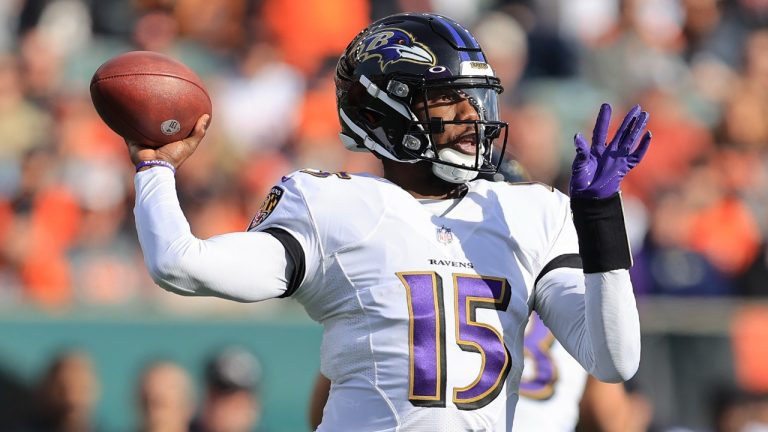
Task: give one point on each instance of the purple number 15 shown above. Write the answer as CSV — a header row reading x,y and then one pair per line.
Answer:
x,y
427,337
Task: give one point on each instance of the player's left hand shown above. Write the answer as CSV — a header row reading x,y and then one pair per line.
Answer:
x,y
598,169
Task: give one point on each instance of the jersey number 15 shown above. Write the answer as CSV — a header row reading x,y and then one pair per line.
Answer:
x,y
426,337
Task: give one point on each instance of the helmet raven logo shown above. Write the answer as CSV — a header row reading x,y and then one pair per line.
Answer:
x,y
392,45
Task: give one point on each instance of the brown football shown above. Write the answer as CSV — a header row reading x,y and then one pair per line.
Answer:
x,y
149,97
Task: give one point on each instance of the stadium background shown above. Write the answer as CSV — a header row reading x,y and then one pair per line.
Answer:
x,y
71,273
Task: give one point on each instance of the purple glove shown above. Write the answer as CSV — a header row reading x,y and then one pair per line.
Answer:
x,y
597,170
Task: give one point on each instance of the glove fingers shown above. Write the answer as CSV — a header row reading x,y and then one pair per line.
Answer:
x,y
639,152
635,130
600,133
581,159
582,148
625,125
619,141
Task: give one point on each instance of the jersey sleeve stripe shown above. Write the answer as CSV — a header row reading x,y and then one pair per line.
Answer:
x,y
565,260
296,255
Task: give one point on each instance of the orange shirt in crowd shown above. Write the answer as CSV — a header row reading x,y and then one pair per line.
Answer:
x,y
727,234
308,31
749,331
39,244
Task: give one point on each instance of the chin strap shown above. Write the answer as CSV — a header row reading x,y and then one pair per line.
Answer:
x,y
454,174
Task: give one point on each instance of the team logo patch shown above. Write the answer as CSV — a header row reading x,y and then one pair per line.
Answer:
x,y
444,235
392,45
267,207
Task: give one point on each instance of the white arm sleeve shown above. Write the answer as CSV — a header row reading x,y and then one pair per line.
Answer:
x,y
595,318
244,266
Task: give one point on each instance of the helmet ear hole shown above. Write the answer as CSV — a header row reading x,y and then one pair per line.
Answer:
x,y
414,143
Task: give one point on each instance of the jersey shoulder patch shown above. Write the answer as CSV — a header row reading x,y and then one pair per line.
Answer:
x,y
267,207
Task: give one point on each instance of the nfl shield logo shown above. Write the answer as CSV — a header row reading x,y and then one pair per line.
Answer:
x,y
444,235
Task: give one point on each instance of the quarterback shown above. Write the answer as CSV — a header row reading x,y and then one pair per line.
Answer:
x,y
424,279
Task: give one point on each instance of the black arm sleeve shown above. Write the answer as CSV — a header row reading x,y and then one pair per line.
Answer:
x,y
603,242
295,254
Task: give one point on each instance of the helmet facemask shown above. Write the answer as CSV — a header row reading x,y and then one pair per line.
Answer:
x,y
455,126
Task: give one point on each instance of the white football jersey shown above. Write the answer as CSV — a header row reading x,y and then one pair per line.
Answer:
x,y
551,385
423,314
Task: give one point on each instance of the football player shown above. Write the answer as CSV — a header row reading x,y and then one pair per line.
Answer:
x,y
424,279
554,389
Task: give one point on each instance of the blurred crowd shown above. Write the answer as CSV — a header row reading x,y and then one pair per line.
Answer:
x,y
697,207
165,396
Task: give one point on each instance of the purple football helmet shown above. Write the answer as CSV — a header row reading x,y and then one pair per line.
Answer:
x,y
401,61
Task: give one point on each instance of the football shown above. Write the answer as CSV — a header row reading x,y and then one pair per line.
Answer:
x,y
148,97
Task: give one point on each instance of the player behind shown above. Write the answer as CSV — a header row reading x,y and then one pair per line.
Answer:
x,y
423,280
554,389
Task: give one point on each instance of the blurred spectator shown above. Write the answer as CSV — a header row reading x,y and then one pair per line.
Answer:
x,y
156,30
753,12
505,45
113,19
727,235
208,191
232,402
534,133
752,281
307,31
736,410
165,398
666,264
640,51
749,332
8,23
748,102
679,140
612,407
41,220
42,63
67,396
64,26
257,104
16,398
168,27
550,55
219,24
23,125
711,30
317,136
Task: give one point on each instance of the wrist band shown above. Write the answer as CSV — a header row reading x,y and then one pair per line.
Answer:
x,y
603,242
151,163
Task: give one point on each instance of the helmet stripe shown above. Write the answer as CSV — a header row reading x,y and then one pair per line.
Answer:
x,y
463,39
456,37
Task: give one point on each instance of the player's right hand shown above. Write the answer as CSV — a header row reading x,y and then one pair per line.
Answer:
x,y
174,153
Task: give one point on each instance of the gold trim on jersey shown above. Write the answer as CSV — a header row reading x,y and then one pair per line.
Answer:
x,y
497,304
439,348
